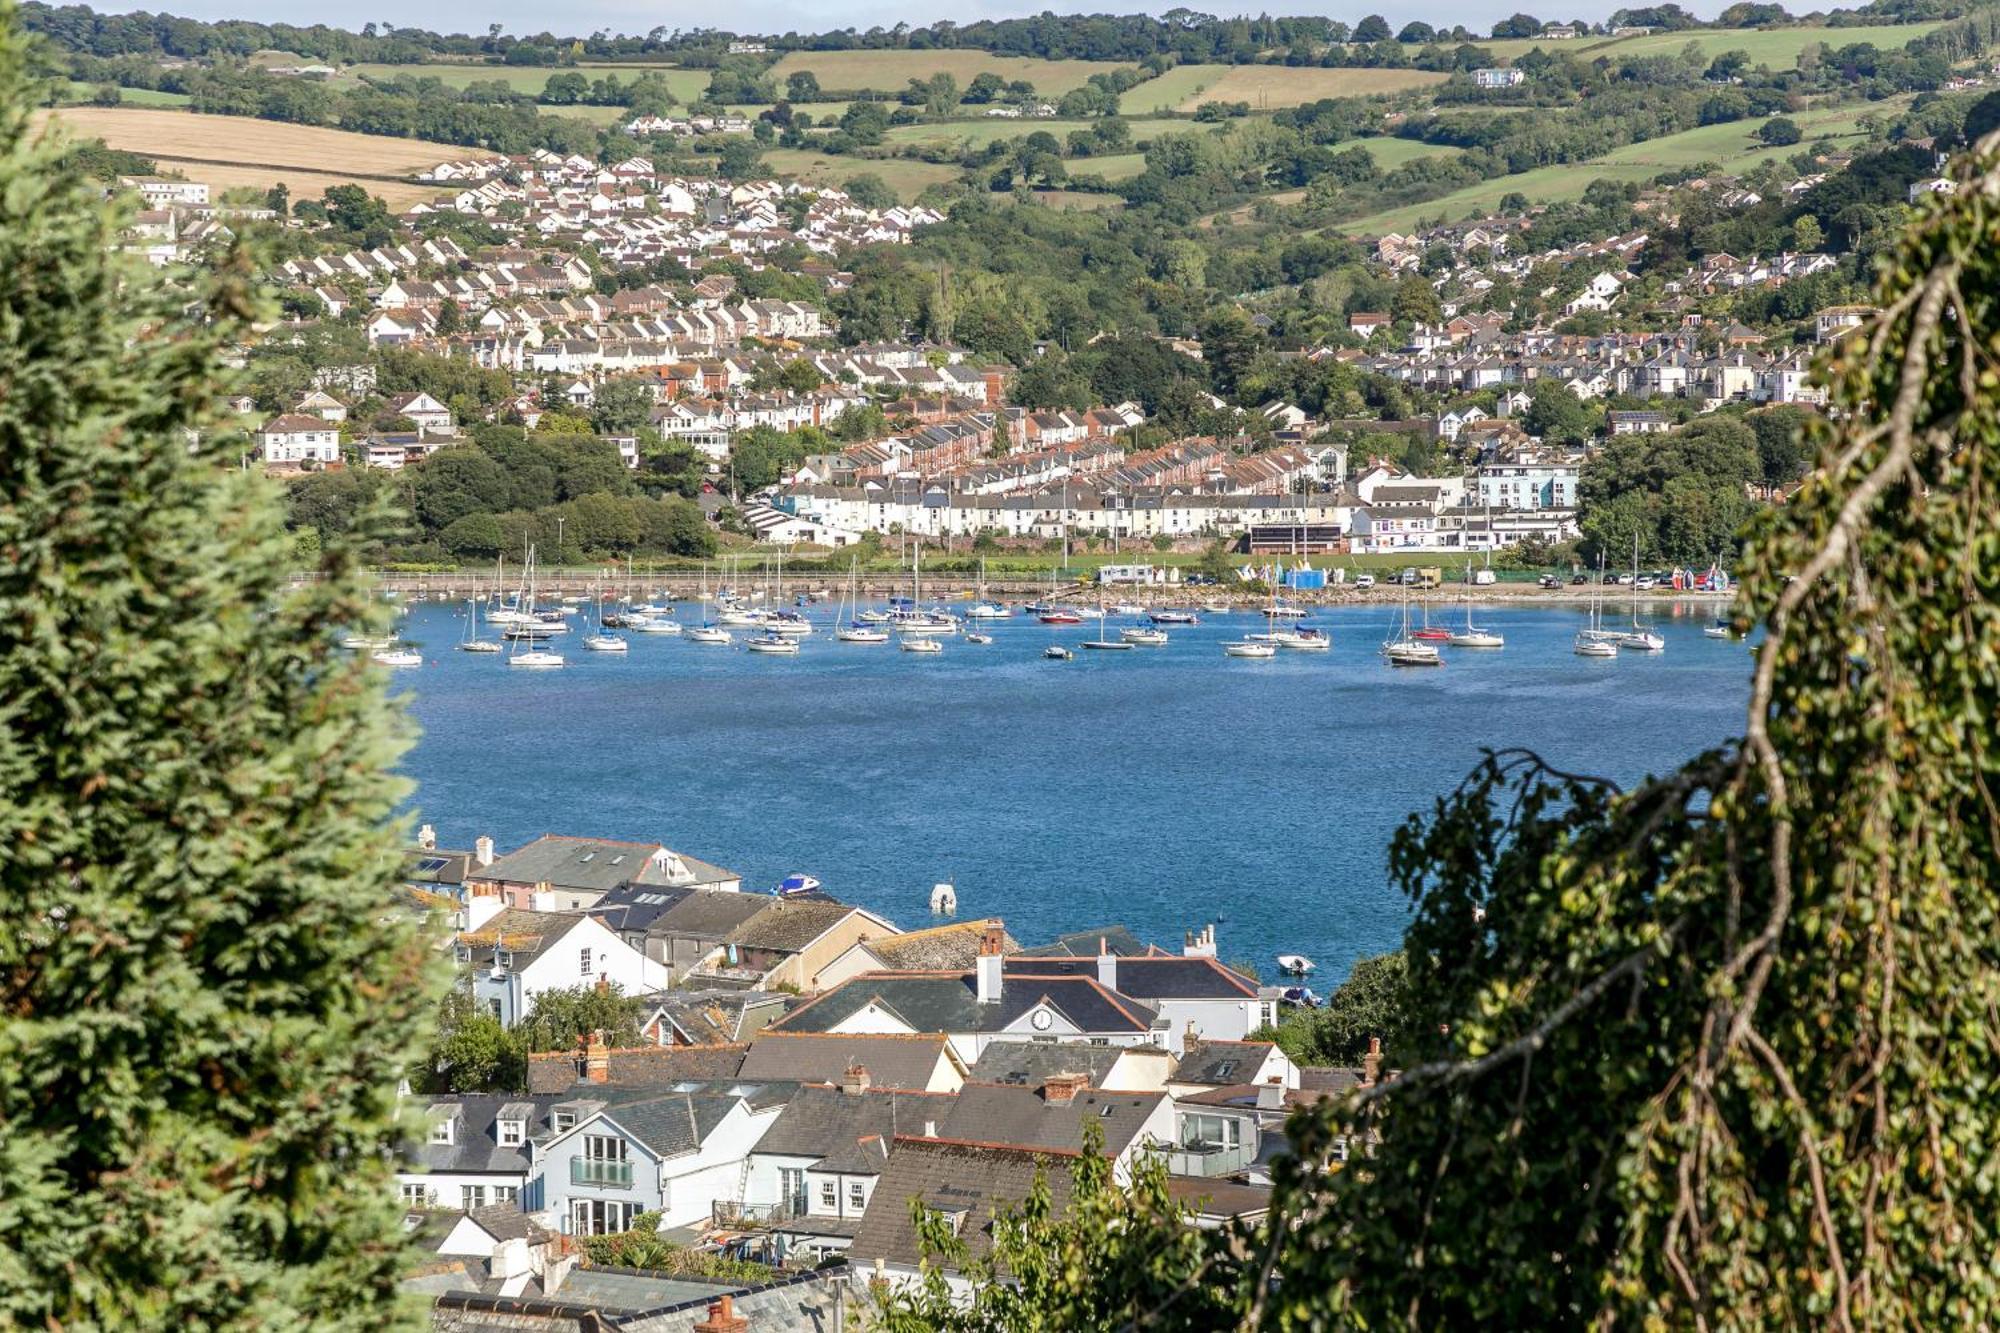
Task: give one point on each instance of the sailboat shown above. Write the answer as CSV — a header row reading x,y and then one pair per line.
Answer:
x,y
983,609
534,657
472,643
603,641
1595,642
921,643
1403,649
847,629
1719,628
1102,643
914,621
707,632
1250,648
1144,635
1644,640
1472,636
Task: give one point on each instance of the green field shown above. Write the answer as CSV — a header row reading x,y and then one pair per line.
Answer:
x,y
1732,146
1082,199
891,71
1167,92
687,84
79,93
907,178
1112,166
1268,87
1390,153
979,133
1777,47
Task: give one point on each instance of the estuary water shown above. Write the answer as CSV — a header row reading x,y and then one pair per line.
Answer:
x,y
1159,788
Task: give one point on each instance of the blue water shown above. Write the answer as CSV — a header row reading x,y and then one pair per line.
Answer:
x,y
1159,788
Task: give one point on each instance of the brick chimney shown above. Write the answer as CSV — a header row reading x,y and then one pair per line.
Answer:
x,y
722,1318
1371,1063
992,941
855,1081
596,1057
1061,1089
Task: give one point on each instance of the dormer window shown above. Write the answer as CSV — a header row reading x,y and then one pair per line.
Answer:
x,y
464,954
562,1120
444,1127
502,959
510,1133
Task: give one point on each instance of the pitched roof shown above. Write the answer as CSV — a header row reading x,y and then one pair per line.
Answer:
x,y
967,1180
579,863
892,1061
679,1121
789,925
707,915
1218,1063
952,946
948,1002
1084,944
475,1147
1023,1117
850,1131
519,933
635,1067
1028,1063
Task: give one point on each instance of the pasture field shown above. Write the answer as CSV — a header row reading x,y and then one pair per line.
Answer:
x,y
1112,166
1078,199
1776,47
1733,146
1390,153
1177,85
81,93
907,178
979,133
891,71
237,150
687,84
1267,87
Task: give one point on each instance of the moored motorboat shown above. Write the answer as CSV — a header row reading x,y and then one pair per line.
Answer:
x,y
1165,617
921,643
1305,640
537,657
1143,637
1059,616
1718,629
976,637
859,633
1057,652
773,644
707,634
604,643
1295,965
1247,648
652,625
396,657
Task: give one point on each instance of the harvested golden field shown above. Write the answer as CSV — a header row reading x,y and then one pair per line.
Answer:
x,y
891,71
238,150
1268,87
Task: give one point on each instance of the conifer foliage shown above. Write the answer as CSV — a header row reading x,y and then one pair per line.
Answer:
x,y
204,1002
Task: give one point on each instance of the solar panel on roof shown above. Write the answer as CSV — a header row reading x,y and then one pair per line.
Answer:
x,y
433,863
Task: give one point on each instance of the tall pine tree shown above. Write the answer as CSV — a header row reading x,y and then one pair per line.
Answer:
x,y
204,1002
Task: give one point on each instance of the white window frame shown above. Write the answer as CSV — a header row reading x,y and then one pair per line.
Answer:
x,y
603,1148
474,1196
829,1194
857,1195
510,1133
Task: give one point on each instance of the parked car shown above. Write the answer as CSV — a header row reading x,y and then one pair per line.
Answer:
x,y
1549,581
1645,582
1578,580
1408,577
1364,581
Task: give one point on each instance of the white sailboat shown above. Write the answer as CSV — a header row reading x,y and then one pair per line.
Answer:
x,y
603,641
1639,637
921,643
396,657
1594,641
708,632
472,643
1144,635
1402,650
1103,644
1472,636
534,658
846,628
983,609
1251,649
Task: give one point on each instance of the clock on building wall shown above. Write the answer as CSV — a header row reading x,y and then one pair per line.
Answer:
x,y
1041,1020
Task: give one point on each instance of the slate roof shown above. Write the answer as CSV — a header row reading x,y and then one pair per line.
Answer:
x,y
1020,1117
1211,1197
522,934
708,915
594,863
678,1122
1151,977
787,926
1084,944
718,1017
477,1149
948,1002
1219,1063
1028,1063
1328,1078
953,1177
851,1132
953,946
635,1067
636,907
818,1057
506,1221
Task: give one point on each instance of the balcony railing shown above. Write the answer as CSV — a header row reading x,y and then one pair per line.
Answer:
x,y
1208,1159
594,1171
737,1213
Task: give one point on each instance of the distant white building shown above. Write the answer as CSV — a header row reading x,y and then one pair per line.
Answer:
x,y
159,192
297,438
1498,78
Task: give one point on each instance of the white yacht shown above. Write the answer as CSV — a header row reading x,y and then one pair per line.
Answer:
x,y
1247,648
396,657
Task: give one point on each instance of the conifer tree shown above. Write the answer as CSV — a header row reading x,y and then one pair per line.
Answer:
x,y
204,1002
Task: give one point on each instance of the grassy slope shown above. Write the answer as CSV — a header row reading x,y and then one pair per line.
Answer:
x,y
908,179
892,71
1733,146
1267,87
979,133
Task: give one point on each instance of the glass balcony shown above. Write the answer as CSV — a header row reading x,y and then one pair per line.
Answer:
x,y
592,1171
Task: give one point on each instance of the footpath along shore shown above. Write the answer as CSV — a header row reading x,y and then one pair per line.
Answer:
x,y
945,589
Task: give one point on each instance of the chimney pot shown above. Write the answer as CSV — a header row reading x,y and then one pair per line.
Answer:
x,y
856,1080
596,1057
1371,1064
722,1318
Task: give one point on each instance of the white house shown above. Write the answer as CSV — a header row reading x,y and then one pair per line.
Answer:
x,y
428,413
297,438
514,955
